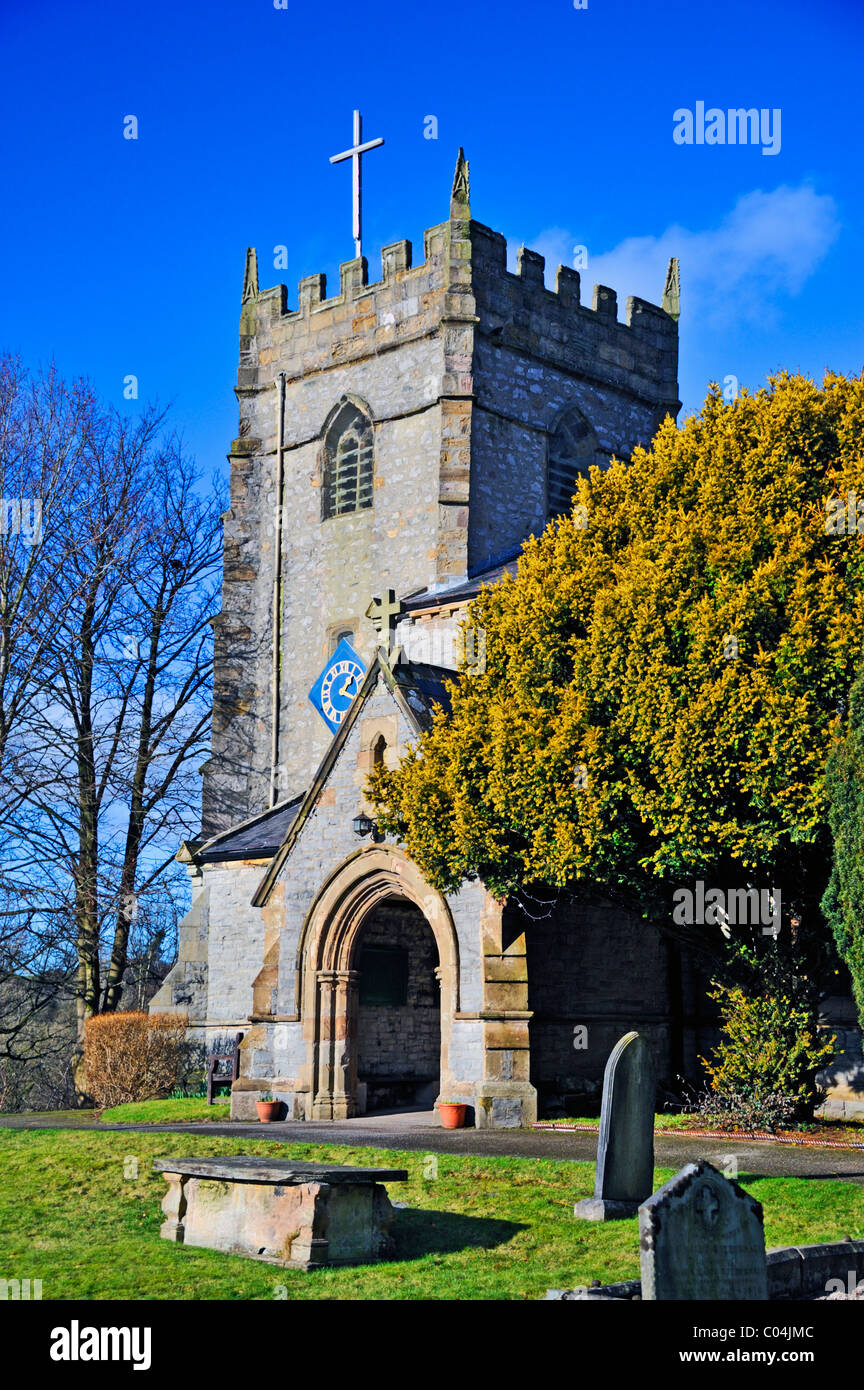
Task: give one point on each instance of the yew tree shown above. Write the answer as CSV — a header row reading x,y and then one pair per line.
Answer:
x,y
665,673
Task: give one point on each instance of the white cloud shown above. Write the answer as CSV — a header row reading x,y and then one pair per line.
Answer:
x,y
766,247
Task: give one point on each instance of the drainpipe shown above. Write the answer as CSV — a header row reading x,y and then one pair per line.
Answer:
x,y
277,593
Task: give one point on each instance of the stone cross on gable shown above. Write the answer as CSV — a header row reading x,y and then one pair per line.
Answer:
x,y
357,150
383,614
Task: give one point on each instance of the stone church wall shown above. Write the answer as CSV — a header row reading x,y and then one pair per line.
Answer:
x,y
518,403
597,969
382,344
221,946
537,352
236,940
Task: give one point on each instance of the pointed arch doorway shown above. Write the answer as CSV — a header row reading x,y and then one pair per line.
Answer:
x,y
379,982
397,1028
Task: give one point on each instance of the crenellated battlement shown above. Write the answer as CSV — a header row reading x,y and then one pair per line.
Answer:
x,y
489,255
362,317
463,275
488,260
522,301
396,263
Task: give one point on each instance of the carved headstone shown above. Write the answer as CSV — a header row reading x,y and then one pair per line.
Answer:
x,y
701,1237
625,1148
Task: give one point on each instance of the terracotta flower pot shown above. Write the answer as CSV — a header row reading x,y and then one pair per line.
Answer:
x,y
268,1110
452,1116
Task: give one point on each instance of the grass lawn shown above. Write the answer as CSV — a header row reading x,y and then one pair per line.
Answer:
x,y
75,1214
166,1112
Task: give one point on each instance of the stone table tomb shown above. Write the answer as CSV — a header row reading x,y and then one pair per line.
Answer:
x,y
299,1215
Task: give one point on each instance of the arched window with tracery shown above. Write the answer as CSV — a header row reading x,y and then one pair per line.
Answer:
x,y
348,458
573,447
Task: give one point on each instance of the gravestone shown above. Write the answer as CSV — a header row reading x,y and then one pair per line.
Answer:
x,y
625,1147
701,1237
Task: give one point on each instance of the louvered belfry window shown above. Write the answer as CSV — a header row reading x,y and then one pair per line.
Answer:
x,y
572,449
348,462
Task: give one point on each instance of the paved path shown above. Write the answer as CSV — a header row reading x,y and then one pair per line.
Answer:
x,y
418,1131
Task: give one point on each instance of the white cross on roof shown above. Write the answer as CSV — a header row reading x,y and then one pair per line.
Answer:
x,y
354,154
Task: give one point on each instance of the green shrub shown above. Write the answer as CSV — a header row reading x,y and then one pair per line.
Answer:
x,y
767,1059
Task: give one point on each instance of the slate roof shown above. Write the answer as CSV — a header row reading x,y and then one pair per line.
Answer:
x,y
258,838
463,592
422,687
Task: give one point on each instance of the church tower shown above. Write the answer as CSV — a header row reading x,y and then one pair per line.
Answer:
x,y
407,434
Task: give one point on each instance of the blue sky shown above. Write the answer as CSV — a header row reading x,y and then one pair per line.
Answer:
x,y
126,257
